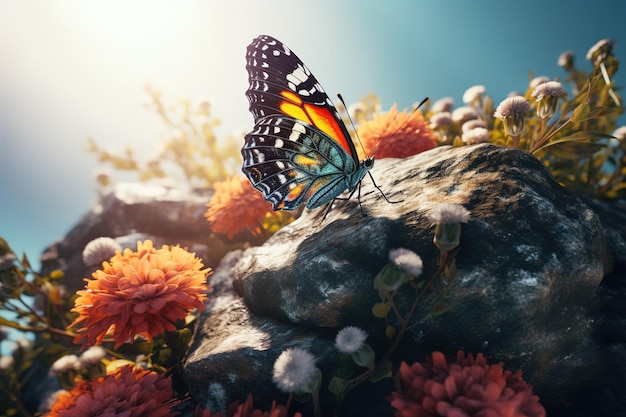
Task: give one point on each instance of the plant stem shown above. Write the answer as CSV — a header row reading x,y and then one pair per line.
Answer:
x,y
404,327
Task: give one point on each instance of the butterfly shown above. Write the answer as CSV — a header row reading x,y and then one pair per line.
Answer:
x,y
299,151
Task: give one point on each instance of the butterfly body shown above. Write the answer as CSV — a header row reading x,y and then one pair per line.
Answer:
x,y
299,151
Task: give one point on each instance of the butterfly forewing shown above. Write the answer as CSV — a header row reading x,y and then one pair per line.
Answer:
x,y
299,150
281,84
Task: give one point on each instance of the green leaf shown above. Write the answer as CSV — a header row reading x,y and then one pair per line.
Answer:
x,y
390,332
380,310
165,355
364,356
337,385
578,145
381,372
585,112
179,341
314,384
581,112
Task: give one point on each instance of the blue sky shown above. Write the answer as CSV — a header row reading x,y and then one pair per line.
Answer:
x,y
78,68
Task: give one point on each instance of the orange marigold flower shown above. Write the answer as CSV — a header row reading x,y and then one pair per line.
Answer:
x,y
237,206
397,134
140,293
128,392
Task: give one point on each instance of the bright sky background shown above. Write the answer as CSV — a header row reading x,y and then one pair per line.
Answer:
x,y
77,68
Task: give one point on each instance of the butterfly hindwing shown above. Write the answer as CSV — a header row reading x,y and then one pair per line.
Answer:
x,y
290,163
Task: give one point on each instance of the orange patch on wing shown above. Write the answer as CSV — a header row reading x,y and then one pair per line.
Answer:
x,y
319,183
325,121
301,159
294,111
320,117
295,192
291,96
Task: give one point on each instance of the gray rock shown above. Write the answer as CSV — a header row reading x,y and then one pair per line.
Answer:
x,y
132,212
530,261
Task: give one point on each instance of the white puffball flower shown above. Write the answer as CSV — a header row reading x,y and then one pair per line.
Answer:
x,y
350,339
294,370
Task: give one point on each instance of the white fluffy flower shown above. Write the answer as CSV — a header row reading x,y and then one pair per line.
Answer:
x,y
449,213
350,339
294,370
473,93
100,250
92,356
407,260
64,363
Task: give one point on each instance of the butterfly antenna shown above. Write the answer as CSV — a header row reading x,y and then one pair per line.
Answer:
x,y
340,97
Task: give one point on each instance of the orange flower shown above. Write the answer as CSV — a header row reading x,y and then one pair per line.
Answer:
x,y
140,293
129,392
397,134
237,206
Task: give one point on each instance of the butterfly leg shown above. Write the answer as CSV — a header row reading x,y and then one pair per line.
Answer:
x,y
330,205
379,189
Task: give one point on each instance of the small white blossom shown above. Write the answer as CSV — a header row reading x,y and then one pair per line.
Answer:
x,y
537,81
440,120
7,259
294,370
463,114
449,213
350,339
6,362
600,50
548,89
64,363
547,97
100,250
512,113
407,260
473,93
92,356
566,60
356,109
512,106
476,135
49,401
473,124
620,133
443,104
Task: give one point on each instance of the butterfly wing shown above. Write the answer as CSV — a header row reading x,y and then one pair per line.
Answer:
x,y
280,84
291,163
299,150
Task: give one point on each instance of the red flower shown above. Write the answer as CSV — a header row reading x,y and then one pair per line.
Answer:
x,y
236,409
465,387
397,134
127,392
140,293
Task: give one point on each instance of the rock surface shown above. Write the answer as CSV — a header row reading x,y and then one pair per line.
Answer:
x,y
531,259
128,213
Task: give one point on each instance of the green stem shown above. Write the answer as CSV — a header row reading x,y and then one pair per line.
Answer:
x,y
396,342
